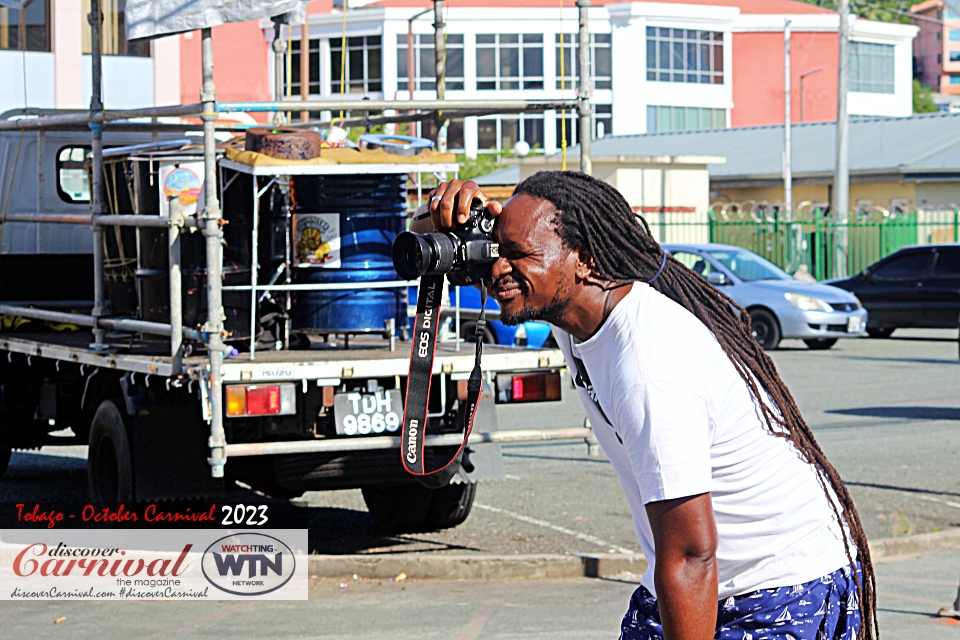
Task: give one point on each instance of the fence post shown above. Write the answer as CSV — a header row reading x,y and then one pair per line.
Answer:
x,y
955,224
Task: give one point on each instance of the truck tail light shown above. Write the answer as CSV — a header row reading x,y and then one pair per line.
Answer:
x,y
261,400
528,387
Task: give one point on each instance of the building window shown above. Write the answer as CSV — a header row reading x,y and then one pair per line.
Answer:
x,y
684,55
570,57
567,124
313,66
955,56
952,15
954,35
954,79
113,31
425,71
73,185
428,129
509,61
501,133
26,29
871,67
361,70
661,119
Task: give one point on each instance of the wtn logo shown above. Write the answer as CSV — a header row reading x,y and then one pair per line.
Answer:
x,y
249,564
257,564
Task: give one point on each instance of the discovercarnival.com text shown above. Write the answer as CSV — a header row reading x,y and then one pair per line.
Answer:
x,y
168,592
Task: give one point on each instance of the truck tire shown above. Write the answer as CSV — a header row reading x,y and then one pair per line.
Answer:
x,y
109,464
413,508
450,506
5,448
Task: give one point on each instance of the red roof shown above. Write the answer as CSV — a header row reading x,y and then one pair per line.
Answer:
x,y
775,7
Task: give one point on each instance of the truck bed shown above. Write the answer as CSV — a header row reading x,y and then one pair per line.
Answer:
x,y
367,356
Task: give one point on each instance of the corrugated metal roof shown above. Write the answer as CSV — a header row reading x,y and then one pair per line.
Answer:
x,y
923,143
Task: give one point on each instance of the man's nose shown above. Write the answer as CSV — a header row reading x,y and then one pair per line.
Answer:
x,y
500,268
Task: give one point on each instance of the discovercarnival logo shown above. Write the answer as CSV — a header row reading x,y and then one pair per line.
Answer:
x,y
248,564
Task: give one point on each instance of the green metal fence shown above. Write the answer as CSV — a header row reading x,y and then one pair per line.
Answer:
x,y
813,241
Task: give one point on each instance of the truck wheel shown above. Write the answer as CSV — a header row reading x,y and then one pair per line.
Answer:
x,y
413,508
450,506
398,508
5,449
109,466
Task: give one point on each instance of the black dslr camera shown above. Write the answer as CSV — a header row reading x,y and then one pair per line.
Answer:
x,y
466,254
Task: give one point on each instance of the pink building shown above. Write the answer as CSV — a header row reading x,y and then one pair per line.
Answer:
x,y
936,49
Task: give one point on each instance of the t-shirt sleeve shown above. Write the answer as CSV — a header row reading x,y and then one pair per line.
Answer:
x,y
666,433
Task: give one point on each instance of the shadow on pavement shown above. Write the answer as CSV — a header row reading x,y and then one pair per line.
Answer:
x,y
872,485
909,413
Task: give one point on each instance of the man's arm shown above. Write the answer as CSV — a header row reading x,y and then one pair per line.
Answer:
x,y
685,536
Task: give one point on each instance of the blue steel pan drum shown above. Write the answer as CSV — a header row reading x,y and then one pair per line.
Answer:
x,y
343,231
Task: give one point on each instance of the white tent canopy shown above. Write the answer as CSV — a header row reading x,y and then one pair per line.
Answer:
x,y
155,18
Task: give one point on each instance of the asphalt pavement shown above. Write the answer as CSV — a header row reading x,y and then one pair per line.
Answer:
x,y
886,413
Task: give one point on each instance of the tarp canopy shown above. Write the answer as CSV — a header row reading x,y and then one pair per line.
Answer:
x,y
155,18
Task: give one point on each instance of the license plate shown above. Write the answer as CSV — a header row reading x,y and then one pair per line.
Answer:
x,y
360,414
854,325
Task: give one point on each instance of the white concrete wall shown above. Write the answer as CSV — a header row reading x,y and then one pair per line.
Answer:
x,y
40,89
67,19
127,82
900,103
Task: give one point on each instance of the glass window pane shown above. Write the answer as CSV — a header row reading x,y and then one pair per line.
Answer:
x,y
455,63
509,133
532,62
509,62
532,38
509,38
486,38
486,63
664,56
487,134
533,132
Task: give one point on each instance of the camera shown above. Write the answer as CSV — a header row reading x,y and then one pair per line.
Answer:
x,y
466,254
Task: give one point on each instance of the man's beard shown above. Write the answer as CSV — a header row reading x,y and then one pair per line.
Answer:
x,y
548,313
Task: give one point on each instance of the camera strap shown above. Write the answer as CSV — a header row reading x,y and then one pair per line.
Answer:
x,y
417,401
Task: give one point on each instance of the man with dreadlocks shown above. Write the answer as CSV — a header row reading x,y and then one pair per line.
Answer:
x,y
748,529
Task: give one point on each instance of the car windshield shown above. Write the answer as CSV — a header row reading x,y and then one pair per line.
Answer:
x,y
748,266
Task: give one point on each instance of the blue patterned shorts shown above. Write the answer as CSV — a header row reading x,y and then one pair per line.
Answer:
x,y
822,609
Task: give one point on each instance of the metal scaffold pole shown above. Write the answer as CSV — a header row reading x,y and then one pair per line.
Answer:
x,y
95,18
213,232
440,57
584,89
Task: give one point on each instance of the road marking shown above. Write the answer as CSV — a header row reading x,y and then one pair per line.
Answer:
x,y
586,537
472,629
955,505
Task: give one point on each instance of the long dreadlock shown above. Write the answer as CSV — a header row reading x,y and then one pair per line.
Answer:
x,y
593,216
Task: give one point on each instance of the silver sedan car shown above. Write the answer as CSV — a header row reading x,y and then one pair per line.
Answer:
x,y
780,306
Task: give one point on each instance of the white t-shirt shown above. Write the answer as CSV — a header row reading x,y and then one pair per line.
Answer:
x,y
676,419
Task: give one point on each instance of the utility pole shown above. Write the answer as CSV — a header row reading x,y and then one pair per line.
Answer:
x,y
841,179
787,120
585,89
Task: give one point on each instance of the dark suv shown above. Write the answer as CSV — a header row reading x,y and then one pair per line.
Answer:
x,y
914,287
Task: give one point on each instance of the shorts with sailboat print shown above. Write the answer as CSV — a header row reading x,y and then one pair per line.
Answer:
x,y
822,609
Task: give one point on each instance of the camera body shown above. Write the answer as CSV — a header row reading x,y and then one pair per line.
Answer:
x,y
465,254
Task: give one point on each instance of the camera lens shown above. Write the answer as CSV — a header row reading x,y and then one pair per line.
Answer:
x,y
411,255
416,255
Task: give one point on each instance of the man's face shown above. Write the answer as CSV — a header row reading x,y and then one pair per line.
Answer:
x,y
533,279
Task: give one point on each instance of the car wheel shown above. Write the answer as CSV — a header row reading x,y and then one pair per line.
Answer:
x,y
468,333
880,332
818,344
766,329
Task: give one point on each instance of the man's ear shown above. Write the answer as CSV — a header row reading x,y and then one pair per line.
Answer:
x,y
585,264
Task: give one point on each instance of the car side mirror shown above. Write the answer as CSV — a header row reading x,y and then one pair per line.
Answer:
x,y
717,279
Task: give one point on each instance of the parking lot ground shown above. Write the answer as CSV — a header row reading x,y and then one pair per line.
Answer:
x,y
911,590
886,412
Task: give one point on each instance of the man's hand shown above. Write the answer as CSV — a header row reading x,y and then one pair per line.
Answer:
x,y
685,536
442,198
